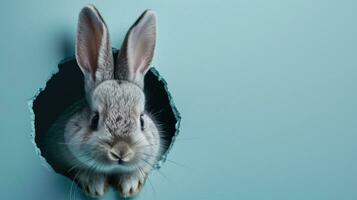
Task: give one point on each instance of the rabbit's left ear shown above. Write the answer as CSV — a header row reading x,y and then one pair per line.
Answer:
x,y
137,50
93,49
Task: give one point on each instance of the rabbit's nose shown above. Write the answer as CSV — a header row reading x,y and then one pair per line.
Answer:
x,y
121,153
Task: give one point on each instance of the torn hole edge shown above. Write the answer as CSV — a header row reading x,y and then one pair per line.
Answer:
x,y
44,161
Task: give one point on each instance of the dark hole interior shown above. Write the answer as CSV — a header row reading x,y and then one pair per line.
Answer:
x,y
66,88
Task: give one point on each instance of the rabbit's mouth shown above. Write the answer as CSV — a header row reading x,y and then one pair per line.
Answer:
x,y
137,162
105,165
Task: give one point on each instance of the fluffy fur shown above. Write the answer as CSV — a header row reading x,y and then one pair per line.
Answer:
x,y
112,137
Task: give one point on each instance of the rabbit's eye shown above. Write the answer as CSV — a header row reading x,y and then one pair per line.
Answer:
x,y
94,122
142,122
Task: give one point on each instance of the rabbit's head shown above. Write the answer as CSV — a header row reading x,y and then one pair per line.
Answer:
x,y
114,132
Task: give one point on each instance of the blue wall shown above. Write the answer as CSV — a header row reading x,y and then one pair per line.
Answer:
x,y
267,91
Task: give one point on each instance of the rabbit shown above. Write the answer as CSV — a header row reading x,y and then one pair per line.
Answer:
x,y
109,138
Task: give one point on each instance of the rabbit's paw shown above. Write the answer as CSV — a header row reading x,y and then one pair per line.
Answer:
x,y
130,185
93,185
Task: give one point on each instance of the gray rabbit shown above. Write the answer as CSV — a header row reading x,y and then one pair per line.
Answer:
x,y
109,135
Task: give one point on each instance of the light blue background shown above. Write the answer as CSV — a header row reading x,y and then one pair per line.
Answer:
x,y
267,91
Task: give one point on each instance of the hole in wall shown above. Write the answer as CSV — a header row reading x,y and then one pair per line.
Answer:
x,y
66,88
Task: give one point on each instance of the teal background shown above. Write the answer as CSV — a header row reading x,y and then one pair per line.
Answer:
x,y
266,89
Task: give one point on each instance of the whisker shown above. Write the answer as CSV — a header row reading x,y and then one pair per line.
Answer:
x,y
71,188
147,162
152,186
79,162
138,141
179,164
166,159
185,139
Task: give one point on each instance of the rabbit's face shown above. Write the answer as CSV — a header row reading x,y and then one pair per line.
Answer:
x,y
115,133
120,135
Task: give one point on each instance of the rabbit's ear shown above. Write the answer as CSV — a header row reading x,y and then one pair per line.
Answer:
x,y
93,49
137,50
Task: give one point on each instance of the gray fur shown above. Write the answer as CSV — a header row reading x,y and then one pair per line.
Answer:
x,y
119,102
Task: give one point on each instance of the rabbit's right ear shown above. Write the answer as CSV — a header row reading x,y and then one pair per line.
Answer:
x,y
93,49
137,51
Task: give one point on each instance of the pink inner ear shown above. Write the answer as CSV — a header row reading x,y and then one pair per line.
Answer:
x,y
141,45
89,39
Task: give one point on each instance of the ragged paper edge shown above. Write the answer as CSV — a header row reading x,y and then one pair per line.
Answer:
x,y
33,128
160,79
176,113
